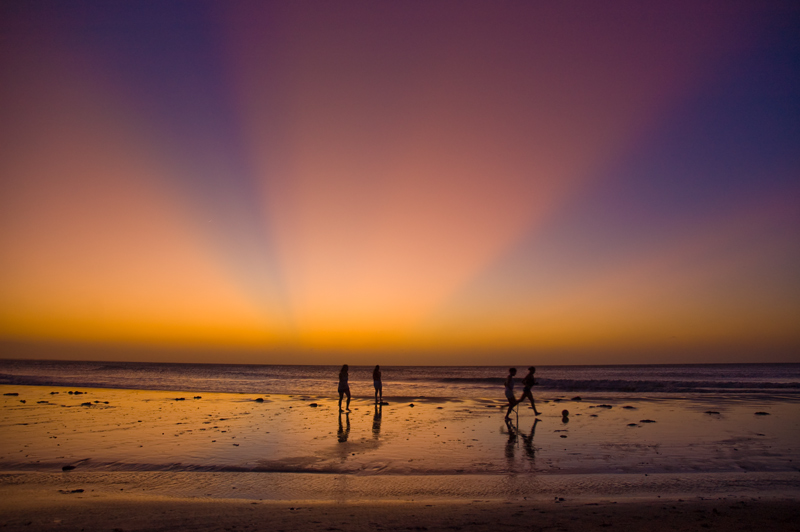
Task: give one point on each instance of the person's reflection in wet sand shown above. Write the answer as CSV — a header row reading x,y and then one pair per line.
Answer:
x,y
344,433
527,442
511,444
376,421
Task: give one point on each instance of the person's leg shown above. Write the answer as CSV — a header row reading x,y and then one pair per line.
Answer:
x,y
533,405
347,391
341,394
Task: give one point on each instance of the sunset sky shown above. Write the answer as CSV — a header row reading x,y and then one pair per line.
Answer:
x,y
434,182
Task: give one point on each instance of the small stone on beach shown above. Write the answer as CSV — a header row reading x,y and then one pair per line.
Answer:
x,y
646,421
762,413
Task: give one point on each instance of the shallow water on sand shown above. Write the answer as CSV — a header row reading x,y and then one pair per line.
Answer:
x,y
134,430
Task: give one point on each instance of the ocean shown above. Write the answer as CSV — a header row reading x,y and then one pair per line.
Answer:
x,y
468,382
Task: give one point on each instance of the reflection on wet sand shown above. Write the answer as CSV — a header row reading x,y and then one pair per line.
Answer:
x,y
512,443
376,421
344,432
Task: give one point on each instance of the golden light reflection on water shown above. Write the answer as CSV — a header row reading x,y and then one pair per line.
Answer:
x,y
133,430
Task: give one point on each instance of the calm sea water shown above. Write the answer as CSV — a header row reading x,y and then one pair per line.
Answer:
x,y
413,381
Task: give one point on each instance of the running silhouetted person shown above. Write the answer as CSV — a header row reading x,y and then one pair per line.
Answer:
x,y
528,381
509,384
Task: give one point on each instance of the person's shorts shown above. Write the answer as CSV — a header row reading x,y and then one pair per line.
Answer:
x,y
344,389
378,385
510,397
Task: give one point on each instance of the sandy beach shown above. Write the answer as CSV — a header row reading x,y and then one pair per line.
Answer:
x,y
107,459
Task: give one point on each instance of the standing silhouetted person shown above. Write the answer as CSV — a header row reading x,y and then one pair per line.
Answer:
x,y
376,380
528,381
344,387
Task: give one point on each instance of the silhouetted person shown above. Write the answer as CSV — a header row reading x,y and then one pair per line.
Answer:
x,y
343,433
528,381
344,387
509,384
376,381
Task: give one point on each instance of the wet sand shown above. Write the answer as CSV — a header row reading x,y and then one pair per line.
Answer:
x,y
146,460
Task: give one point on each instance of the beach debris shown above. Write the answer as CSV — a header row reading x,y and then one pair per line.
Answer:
x,y
76,392
86,404
564,413
43,402
11,393
180,398
313,405
54,393
198,396
646,421
563,435
592,415
577,398
439,408
629,407
411,405
260,400
22,401
632,425
711,412
604,406
79,490
762,413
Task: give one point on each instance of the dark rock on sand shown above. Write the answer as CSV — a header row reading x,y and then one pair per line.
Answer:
x,y
604,406
646,421
411,405
68,468
629,407
711,412
315,405
78,393
22,401
577,398
86,404
260,400
11,393
180,398
762,413
632,425
198,397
